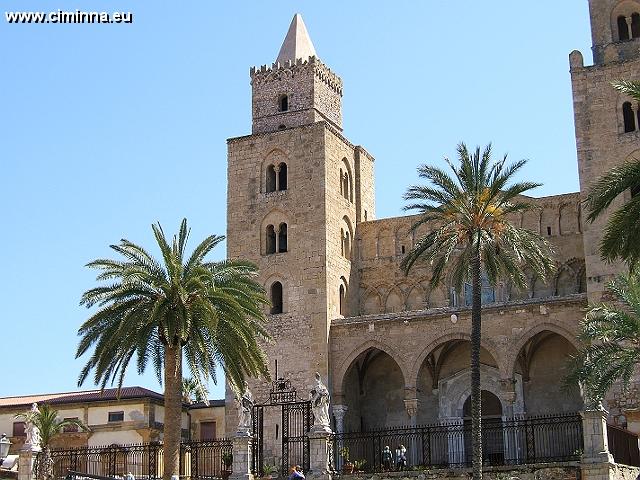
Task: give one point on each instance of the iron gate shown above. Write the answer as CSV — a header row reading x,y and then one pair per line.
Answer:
x,y
291,434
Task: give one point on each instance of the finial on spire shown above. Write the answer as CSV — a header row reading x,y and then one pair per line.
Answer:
x,y
297,43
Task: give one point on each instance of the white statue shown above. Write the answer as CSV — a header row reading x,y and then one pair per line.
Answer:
x,y
319,397
245,407
31,429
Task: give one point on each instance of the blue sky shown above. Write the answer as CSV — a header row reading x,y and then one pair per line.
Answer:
x,y
105,129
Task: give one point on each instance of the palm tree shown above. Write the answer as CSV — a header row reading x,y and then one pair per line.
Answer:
x,y
210,313
49,425
191,391
620,238
472,234
611,337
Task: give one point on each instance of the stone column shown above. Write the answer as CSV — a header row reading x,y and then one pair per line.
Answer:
x,y
26,462
242,456
319,437
339,411
277,170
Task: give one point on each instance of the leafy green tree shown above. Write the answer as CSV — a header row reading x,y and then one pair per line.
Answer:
x,y
611,337
209,313
191,391
472,234
49,425
620,238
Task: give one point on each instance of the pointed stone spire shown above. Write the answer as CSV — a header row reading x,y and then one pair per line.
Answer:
x,y
297,43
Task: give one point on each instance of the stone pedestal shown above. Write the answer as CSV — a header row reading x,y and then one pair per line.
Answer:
x,y
319,453
242,456
597,461
26,462
596,446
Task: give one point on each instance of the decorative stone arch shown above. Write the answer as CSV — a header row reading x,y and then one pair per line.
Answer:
x,y
565,269
343,297
343,367
569,218
627,106
487,344
512,355
371,294
394,300
403,239
624,8
275,217
347,238
385,242
410,298
456,389
275,158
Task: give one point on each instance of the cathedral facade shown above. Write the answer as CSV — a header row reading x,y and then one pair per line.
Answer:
x,y
393,351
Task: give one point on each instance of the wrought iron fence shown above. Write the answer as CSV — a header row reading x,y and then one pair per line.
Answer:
x,y
623,445
198,460
512,441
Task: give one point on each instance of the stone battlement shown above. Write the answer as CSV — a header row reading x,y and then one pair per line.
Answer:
x,y
265,73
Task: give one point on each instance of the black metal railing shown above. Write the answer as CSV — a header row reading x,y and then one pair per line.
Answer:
x,y
623,445
198,460
512,441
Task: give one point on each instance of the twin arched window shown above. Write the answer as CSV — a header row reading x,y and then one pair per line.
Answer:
x,y
276,298
345,243
276,177
628,27
276,239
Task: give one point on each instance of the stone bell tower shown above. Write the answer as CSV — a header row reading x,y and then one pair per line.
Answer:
x,y
607,123
297,188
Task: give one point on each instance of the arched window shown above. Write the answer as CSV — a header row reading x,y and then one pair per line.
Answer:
x,y
345,186
282,238
629,117
271,179
276,298
271,240
347,245
341,184
284,103
623,29
635,25
343,300
282,176
342,242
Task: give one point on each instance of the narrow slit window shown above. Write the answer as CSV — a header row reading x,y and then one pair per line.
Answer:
x,y
282,177
282,238
271,240
623,29
628,117
342,299
549,231
284,103
635,25
276,298
271,179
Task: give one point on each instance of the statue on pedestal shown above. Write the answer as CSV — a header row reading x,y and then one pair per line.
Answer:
x,y
320,399
245,407
31,430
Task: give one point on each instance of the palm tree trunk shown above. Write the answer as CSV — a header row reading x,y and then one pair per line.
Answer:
x,y
476,326
172,410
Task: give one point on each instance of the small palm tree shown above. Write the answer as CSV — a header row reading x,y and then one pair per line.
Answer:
x,y
209,313
49,425
611,337
192,391
472,233
620,238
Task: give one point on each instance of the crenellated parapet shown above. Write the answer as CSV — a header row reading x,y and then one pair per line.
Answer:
x,y
313,65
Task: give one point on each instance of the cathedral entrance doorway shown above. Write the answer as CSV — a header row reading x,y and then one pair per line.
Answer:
x,y
280,430
492,434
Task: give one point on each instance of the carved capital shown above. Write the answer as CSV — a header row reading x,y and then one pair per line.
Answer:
x,y
411,405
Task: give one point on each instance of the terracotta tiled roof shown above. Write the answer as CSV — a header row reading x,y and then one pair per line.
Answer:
x,y
83,396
